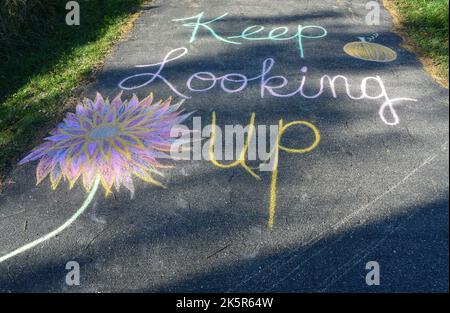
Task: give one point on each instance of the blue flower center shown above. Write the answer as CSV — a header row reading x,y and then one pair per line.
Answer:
x,y
104,132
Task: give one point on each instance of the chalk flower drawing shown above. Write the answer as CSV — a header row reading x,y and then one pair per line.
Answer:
x,y
113,140
107,142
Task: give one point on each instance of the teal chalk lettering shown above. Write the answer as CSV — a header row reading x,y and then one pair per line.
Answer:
x,y
198,23
255,32
274,36
247,32
300,36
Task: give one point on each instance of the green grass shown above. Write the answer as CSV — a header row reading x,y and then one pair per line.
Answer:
x,y
43,64
425,22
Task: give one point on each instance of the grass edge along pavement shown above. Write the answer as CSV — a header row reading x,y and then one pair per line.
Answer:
x,y
423,25
28,113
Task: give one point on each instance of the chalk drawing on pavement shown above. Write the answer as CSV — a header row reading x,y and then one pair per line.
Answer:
x,y
370,51
107,143
269,85
254,32
282,128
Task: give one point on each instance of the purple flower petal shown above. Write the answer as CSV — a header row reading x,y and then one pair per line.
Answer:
x,y
43,168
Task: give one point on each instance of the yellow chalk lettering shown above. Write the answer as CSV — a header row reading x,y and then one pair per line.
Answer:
x,y
241,159
273,185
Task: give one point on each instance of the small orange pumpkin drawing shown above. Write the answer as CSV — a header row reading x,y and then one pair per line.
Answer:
x,y
370,51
